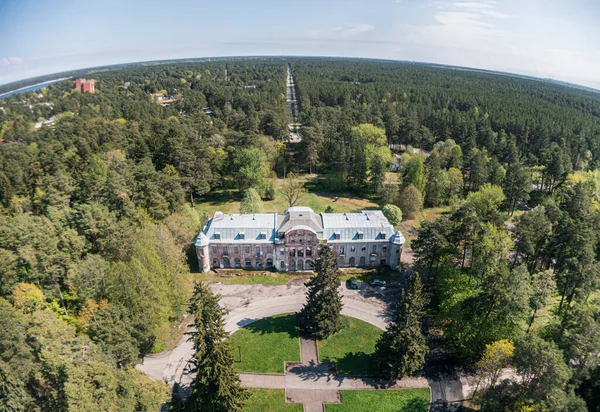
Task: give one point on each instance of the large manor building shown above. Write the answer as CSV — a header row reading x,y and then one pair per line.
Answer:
x,y
291,242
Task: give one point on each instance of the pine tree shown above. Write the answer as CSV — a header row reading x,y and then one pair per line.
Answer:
x,y
402,348
216,386
320,317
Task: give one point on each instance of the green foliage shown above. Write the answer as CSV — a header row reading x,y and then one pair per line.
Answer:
x,y
216,386
410,201
320,317
402,348
393,214
251,202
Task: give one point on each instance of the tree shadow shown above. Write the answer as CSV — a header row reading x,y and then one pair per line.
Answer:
x,y
415,405
354,364
278,324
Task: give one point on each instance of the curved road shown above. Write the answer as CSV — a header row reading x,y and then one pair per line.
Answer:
x,y
169,367
249,303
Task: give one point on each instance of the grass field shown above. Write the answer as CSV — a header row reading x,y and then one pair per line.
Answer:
x,y
266,344
400,400
274,278
269,400
228,201
351,348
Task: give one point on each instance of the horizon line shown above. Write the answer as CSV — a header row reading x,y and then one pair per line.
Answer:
x,y
116,66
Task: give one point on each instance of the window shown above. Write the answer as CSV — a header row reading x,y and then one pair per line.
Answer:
x,y
259,264
282,265
247,249
364,248
237,263
217,235
362,261
226,262
269,262
352,248
269,249
342,250
242,236
248,263
214,250
263,235
258,252
216,263
236,250
374,249
384,249
336,235
292,265
352,261
308,265
225,251
382,235
361,235
292,252
308,252
300,252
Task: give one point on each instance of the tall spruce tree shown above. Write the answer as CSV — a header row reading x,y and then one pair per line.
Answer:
x,y
216,386
401,349
320,317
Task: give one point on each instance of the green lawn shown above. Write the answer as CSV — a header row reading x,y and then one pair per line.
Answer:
x,y
398,400
351,348
274,278
269,400
367,275
228,200
266,344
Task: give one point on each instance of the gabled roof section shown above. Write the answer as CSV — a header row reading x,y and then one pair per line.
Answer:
x,y
367,225
226,228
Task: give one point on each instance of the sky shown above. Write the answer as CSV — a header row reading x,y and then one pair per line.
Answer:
x,y
556,39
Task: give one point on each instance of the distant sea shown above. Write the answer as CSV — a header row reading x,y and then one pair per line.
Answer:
x,y
30,88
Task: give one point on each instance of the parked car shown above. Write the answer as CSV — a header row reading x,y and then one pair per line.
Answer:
x,y
352,283
377,282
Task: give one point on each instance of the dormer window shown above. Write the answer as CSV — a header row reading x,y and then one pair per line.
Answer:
x,y
337,235
263,235
242,236
217,235
360,235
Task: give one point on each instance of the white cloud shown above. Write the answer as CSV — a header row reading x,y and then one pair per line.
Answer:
x,y
7,61
342,31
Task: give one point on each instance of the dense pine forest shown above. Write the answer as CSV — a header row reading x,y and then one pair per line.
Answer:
x,y
100,200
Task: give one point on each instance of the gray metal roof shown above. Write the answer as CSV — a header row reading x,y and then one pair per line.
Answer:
x,y
371,223
368,225
299,216
227,228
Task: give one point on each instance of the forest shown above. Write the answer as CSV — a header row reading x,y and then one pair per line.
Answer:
x,y
100,206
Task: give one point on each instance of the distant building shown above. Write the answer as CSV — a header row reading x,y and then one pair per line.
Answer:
x,y
85,85
291,242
